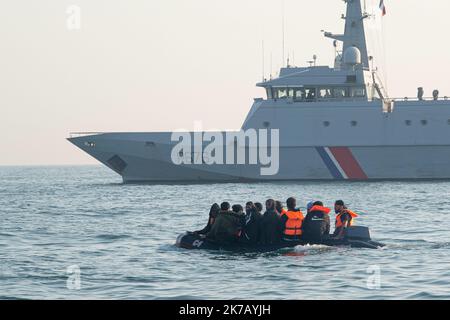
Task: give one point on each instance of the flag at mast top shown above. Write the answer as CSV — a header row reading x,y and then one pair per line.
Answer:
x,y
383,8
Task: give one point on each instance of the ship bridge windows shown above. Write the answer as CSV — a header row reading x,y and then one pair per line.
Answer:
x,y
325,93
309,94
358,92
305,94
280,93
340,93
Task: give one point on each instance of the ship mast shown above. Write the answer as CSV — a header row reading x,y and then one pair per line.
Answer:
x,y
354,35
357,19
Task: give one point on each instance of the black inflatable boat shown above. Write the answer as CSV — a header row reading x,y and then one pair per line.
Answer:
x,y
355,237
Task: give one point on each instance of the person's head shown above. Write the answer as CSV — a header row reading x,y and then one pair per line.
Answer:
x,y
291,203
270,204
339,205
279,206
225,206
214,208
237,208
318,203
309,206
259,206
249,206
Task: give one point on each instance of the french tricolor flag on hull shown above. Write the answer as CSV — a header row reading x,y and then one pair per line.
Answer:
x,y
382,8
341,163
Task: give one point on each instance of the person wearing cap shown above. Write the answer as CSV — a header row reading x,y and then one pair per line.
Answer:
x,y
344,218
316,226
309,206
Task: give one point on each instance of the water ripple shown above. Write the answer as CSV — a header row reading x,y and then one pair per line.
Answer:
x,y
121,237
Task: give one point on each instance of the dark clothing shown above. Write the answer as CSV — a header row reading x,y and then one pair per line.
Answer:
x,y
271,228
227,227
252,227
213,212
212,217
316,226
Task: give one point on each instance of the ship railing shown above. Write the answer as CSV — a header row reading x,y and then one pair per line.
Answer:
x,y
83,134
445,98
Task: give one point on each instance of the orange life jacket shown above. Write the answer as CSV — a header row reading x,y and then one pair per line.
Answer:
x,y
340,223
294,223
321,209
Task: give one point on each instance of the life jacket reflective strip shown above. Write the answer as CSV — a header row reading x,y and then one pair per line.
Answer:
x,y
340,223
321,209
294,223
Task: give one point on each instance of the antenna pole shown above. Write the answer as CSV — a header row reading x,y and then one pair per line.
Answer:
x,y
263,61
283,33
271,68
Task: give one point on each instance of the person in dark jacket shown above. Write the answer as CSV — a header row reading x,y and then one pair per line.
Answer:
x,y
213,212
228,225
252,224
237,208
279,207
259,207
271,227
316,226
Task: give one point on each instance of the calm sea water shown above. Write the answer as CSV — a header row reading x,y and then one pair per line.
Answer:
x,y
121,238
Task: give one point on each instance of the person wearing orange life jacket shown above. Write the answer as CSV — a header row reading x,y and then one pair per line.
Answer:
x,y
316,226
292,220
344,218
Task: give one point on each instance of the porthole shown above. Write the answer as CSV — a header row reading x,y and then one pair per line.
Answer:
x,y
326,123
149,144
408,122
89,144
424,122
354,123
266,124
448,122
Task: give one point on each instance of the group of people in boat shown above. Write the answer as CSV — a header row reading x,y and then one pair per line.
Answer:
x,y
234,224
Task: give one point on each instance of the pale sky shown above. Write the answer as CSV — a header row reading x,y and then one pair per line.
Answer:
x,y
161,65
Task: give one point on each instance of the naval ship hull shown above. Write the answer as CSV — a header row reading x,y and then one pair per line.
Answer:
x,y
374,163
413,142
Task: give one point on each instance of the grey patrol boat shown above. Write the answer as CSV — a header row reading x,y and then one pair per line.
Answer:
x,y
332,123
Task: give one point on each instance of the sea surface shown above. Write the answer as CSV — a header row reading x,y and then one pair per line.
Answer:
x,y
79,233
